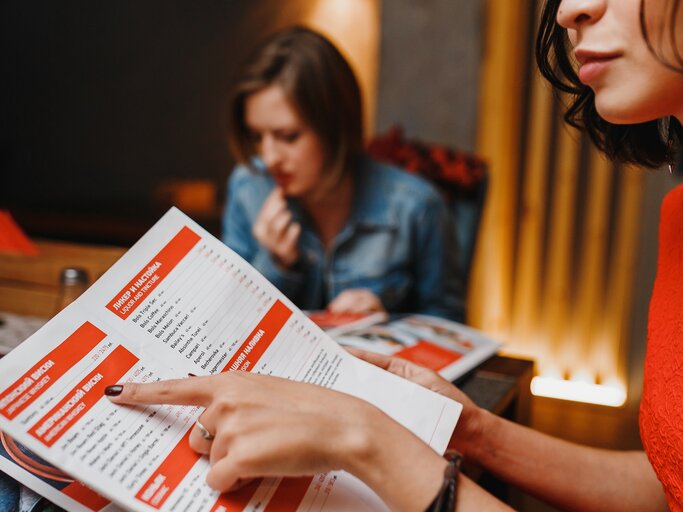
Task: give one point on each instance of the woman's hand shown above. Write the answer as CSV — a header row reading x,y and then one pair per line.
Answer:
x,y
275,231
470,426
268,426
356,300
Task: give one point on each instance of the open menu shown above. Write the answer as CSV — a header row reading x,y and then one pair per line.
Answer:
x,y
178,302
449,348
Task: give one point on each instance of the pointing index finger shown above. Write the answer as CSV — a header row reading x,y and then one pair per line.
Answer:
x,y
194,391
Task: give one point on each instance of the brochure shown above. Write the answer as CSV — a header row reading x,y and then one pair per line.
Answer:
x,y
16,328
333,323
178,302
450,348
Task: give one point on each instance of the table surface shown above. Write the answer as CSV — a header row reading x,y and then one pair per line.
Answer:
x,y
501,385
29,285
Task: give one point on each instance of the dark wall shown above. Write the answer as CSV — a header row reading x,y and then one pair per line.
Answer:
x,y
431,52
100,101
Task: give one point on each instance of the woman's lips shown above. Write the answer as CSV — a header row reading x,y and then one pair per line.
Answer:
x,y
593,69
282,179
593,64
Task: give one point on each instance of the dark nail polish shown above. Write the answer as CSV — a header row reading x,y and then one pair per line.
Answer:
x,y
113,390
191,375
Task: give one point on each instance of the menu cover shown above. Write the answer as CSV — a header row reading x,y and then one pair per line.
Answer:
x,y
178,302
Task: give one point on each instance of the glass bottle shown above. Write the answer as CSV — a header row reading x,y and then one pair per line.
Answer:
x,y
72,283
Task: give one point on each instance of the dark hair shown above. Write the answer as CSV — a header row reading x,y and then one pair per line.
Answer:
x,y
640,143
320,84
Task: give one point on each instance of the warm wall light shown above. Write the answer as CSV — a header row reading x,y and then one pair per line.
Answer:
x,y
579,391
354,26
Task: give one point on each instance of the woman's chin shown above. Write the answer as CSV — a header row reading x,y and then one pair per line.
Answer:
x,y
289,191
612,110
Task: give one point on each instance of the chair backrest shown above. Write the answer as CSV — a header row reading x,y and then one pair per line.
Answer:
x,y
462,178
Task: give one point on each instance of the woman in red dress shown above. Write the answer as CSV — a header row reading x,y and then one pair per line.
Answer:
x,y
621,60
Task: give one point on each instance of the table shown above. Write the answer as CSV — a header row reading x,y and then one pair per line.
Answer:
x,y
502,385
29,285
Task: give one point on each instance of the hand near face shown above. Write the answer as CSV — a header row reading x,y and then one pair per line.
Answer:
x,y
356,300
275,231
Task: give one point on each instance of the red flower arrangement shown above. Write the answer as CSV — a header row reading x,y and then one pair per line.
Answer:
x,y
455,172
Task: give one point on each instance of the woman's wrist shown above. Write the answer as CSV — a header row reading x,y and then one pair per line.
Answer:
x,y
474,441
446,499
285,261
404,471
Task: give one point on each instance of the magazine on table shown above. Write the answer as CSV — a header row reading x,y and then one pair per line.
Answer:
x,y
178,302
448,347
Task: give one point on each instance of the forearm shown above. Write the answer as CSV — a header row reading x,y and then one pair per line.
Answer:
x,y
405,472
472,497
569,476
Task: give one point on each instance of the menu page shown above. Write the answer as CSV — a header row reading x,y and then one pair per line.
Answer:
x,y
181,302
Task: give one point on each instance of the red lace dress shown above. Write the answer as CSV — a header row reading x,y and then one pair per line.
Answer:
x,y
661,410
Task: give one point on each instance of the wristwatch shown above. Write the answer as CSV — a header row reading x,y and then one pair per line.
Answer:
x,y
445,500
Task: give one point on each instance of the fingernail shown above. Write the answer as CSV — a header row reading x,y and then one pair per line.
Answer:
x,y
113,390
191,375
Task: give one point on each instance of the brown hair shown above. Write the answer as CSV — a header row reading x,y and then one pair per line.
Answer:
x,y
320,84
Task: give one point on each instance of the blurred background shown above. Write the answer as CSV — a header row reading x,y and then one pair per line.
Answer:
x,y
112,112
117,111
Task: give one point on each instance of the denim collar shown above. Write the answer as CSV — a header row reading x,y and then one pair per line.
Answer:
x,y
372,206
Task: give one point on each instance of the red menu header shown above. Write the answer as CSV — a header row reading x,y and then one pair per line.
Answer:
x,y
236,501
289,494
137,290
82,397
169,474
85,496
48,370
259,339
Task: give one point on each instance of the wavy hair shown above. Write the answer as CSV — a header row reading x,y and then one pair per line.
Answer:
x,y
640,144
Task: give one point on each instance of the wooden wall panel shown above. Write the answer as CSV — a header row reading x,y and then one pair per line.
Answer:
x,y
551,280
499,143
533,219
557,285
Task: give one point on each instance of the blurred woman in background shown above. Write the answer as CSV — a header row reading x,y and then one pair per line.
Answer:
x,y
327,225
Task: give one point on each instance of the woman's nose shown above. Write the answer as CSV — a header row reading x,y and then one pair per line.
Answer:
x,y
571,14
270,152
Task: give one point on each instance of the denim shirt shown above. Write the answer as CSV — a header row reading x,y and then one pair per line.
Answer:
x,y
398,242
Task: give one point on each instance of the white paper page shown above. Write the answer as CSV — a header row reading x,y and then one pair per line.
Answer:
x,y
180,301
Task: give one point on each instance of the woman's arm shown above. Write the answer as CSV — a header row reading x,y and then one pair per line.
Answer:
x,y
267,426
567,475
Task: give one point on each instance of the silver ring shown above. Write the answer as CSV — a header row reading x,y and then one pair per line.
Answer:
x,y
204,432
